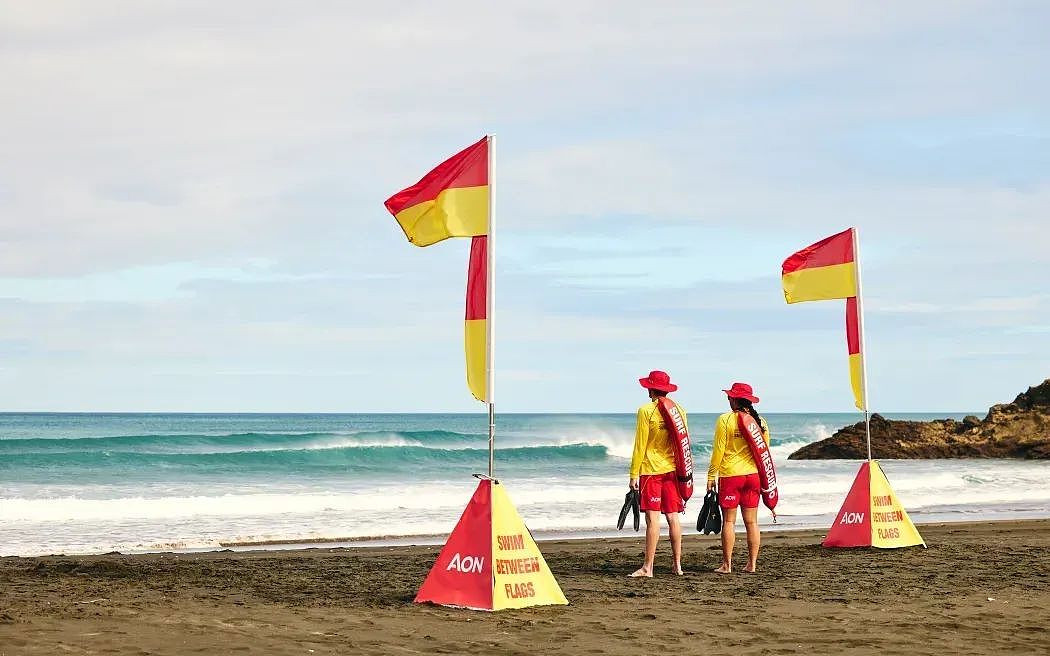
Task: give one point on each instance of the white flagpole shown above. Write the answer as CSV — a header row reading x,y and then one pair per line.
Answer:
x,y
490,297
863,340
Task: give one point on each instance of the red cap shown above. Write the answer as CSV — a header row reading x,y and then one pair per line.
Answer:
x,y
658,380
741,391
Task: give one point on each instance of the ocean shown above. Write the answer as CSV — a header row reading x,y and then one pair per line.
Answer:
x,y
94,483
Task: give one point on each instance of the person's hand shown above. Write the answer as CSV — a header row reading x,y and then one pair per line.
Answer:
x,y
633,483
710,485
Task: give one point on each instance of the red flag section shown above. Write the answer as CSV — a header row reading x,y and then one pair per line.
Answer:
x,y
462,575
490,561
852,527
871,515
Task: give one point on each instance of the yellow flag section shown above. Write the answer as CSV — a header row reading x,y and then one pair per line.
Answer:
x,y
890,525
490,561
520,575
872,515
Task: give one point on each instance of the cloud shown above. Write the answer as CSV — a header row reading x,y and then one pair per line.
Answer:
x,y
191,188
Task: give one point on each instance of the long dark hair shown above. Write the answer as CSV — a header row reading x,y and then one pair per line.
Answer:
x,y
746,406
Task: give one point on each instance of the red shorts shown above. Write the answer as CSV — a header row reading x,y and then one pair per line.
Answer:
x,y
660,492
740,491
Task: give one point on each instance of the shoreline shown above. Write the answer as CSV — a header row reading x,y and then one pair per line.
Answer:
x,y
979,588
541,536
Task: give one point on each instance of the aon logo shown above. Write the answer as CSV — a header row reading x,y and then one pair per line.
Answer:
x,y
852,518
467,564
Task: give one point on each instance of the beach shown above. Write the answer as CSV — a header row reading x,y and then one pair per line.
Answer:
x,y
979,588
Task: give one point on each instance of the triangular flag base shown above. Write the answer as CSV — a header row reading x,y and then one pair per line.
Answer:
x,y
490,561
871,515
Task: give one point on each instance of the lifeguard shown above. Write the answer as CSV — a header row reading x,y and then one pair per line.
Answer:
x,y
734,468
653,468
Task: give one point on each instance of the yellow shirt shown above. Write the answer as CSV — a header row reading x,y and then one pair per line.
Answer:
x,y
653,448
732,455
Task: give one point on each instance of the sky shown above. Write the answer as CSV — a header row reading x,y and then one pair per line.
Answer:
x,y
191,201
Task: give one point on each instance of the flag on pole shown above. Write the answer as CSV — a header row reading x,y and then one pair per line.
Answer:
x,y
871,515
828,270
490,560
475,331
453,201
823,271
450,201
856,357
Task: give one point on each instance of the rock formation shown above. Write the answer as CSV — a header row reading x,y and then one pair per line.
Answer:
x,y
1010,430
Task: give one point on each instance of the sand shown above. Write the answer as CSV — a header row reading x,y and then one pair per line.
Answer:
x,y
978,589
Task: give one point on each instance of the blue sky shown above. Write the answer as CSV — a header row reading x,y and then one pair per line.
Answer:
x,y
191,201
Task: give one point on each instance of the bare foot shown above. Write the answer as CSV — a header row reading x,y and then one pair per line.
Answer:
x,y
679,571
750,569
641,572
724,570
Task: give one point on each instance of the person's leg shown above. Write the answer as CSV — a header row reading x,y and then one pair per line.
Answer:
x,y
652,537
675,529
754,537
672,507
728,540
728,500
650,489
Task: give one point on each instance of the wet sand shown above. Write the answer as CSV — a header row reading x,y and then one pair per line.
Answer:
x,y
978,589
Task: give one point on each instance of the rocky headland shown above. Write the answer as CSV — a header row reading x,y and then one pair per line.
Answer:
x,y
1010,430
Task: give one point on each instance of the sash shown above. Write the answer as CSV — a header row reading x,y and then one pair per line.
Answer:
x,y
767,474
683,451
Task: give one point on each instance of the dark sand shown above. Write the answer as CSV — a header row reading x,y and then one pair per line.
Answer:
x,y
978,589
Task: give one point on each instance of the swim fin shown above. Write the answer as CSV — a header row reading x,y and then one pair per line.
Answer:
x,y
636,502
631,503
623,511
714,522
710,518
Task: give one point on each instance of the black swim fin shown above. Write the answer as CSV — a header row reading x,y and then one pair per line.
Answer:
x,y
705,512
714,520
710,518
636,503
627,501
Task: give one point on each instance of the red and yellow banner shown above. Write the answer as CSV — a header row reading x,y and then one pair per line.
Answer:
x,y
827,270
856,357
822,271
450,201
476,319
453,201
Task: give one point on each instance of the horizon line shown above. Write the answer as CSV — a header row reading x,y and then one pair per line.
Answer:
x,y
430,412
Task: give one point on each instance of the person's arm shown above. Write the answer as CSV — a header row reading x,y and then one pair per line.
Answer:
x,y
765,432
717,453
641,441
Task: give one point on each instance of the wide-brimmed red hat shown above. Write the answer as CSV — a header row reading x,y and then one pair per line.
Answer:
x,y
741,391
658,380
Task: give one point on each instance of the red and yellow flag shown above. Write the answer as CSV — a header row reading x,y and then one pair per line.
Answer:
x,y
453,201
822,271
828,270
856,357
450,201
476,319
